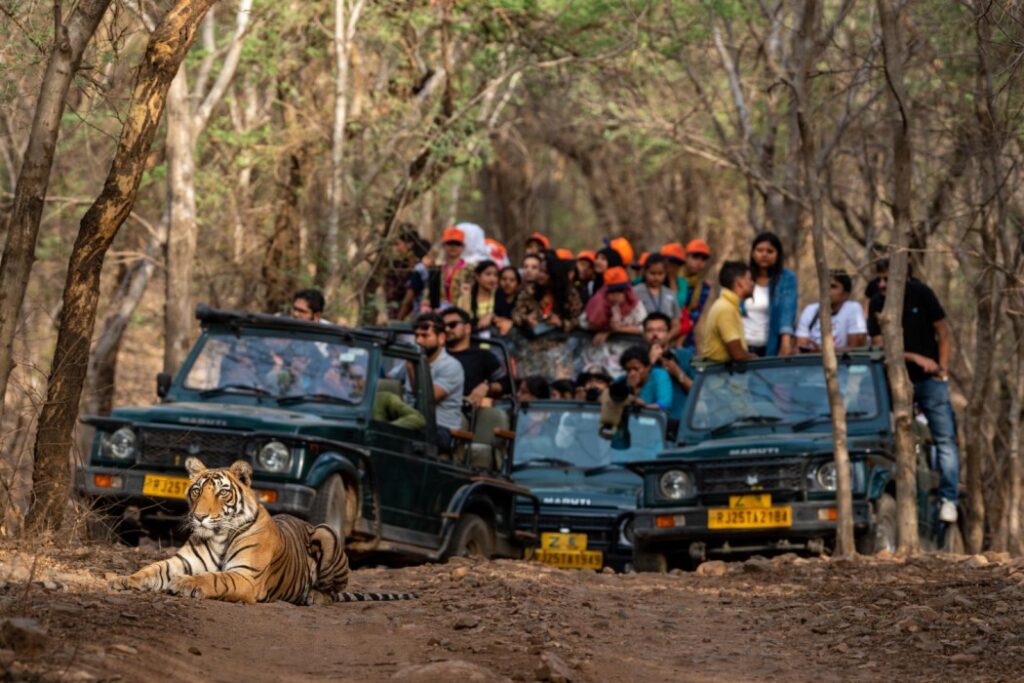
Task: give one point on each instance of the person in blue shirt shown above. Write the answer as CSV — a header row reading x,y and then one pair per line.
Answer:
x,y
676,361
650,385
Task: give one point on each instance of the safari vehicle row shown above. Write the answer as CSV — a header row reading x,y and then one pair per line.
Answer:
x,y
753,468
303,403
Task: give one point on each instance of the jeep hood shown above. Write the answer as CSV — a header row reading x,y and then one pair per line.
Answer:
x,y
233,416
574,488
764,445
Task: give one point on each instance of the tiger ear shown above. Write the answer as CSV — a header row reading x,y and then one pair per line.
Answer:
x,y
242,471
195,467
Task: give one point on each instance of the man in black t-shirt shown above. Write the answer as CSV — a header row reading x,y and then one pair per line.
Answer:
x,y
926,345
485,375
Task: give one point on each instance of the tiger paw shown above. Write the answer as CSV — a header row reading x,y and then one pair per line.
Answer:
x,y
188,587
121,583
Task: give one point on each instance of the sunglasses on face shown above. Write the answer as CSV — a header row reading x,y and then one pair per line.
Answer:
x,y
452,324
702,257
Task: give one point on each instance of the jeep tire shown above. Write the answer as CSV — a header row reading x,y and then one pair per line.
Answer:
x,y
644,561
882,534
330,506
472,537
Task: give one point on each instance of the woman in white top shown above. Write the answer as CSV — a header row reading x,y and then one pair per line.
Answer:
x,y
768,316
849,329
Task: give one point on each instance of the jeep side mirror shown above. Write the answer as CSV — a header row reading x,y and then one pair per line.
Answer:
x,y
163,384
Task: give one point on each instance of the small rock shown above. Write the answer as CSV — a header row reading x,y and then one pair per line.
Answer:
x,y
976,561
195,651
607,570
909,625
459,572
756,565
993,556
449,670
76,676
553,669
25,636
712,568
963,658
884,554
676,571
784,558
123,649
466,621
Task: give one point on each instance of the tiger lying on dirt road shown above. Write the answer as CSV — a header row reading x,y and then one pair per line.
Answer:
x,y
239,553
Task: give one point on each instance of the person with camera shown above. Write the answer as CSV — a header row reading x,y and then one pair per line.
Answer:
x,y
673,360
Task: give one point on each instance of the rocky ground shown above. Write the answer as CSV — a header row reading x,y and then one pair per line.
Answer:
x,y
786,619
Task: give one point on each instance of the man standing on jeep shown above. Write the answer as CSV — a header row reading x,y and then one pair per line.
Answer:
x,y
723,339
445,374
484,374
926,343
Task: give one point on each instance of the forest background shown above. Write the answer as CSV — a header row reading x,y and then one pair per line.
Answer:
x,y
298,134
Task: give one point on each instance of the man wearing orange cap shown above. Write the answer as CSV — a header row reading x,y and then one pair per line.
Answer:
x,y
536,243
691,290
453,270
584,280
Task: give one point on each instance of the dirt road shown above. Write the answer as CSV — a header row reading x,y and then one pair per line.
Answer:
x,y
790,619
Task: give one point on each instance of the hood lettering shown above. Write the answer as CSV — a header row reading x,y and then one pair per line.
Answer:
x,y
566,501
755,451
203,421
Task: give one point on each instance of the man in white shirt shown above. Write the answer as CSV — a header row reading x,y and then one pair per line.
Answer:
x,y
849,329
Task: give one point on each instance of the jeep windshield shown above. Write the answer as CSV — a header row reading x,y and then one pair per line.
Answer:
x,y
279,370
790,396
565,435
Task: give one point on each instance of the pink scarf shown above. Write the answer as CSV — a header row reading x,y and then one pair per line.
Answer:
x,y
599,311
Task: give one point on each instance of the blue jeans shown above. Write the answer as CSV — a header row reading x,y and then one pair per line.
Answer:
x,y
932,397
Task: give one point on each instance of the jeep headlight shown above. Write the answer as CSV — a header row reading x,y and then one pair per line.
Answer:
x,y
119,445
825,476
676,485
626,532
274,456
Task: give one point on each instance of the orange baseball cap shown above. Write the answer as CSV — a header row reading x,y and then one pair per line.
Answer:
x,y
588,254
564,254
674,251
643,259
698,247
616,279
496,249
625,249
545,242
453,235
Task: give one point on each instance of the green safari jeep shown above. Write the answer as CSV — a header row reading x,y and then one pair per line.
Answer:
x,y
306,404
753,470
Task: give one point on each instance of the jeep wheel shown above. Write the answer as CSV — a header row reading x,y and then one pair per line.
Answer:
x,y
472,538
649,562
883,535
330,506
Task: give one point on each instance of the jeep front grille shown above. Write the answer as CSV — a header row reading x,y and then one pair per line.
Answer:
x,y
170,447
743,476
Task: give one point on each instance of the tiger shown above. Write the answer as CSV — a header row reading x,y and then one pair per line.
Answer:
x,y
237,552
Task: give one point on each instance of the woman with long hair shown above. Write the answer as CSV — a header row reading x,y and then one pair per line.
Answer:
x,y
549,301
769,315
479,300
510,282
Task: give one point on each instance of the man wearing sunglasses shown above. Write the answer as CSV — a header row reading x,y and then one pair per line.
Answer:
x,y
446,375
484,374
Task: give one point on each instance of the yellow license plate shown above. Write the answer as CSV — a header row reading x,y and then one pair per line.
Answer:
x,y
563,542
750,518
164,487
759,500
579,559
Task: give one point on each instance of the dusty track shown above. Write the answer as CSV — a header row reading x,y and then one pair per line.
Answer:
x,y
791,619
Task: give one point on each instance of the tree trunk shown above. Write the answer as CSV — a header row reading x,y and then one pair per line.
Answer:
x,y
51,473
1017,387
891,318
181,236
845,545
345,19
69,44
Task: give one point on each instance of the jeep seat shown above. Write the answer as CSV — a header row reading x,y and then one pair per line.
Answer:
x,y
488,450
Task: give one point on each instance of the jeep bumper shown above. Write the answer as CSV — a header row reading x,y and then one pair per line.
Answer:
x,y
674,529
294,499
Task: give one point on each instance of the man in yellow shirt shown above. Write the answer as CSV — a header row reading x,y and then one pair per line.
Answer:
x,y
723,339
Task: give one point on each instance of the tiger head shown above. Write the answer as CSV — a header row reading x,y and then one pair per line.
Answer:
x,y
220,500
